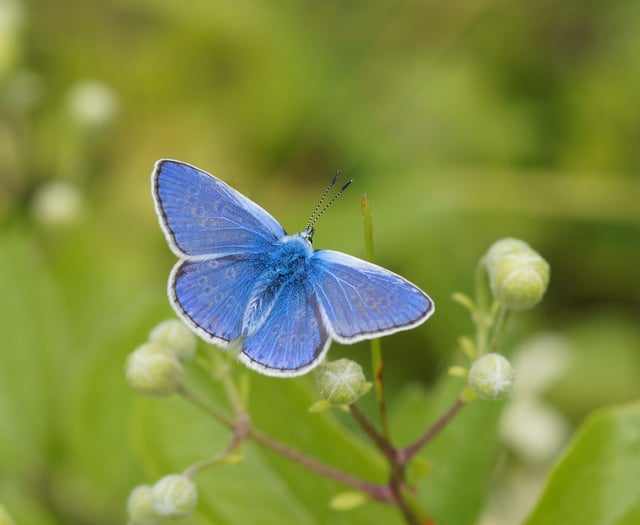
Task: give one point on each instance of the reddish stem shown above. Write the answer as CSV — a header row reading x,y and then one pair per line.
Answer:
x,y
405,454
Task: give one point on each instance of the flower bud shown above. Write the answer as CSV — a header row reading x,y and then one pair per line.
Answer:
x,y
57,203
176,337
518,275
341,382
491,377
153,370
174,496
504,247
92,104
140,507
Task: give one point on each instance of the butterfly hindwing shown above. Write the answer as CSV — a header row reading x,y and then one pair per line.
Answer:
x,y
361,300
292,338
211,295
201,215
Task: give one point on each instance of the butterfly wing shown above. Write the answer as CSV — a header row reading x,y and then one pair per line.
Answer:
x,y
361,300
201,215
293,338
211,295
220,237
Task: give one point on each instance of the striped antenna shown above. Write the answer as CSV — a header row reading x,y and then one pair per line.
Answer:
x,y
317,214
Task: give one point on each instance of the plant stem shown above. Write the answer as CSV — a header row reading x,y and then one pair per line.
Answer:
x,y
407,453
378,439
215,460
243,431
499,325
378,492
376,349
481,317
378,375
207,407
233,395
409,513
403,499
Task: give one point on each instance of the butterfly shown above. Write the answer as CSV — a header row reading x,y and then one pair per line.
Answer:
x,y
242,283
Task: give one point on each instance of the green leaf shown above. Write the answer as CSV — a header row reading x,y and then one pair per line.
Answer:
x,y
596,481
35,345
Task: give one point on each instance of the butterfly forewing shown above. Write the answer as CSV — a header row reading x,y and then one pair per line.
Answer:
x,y
201,215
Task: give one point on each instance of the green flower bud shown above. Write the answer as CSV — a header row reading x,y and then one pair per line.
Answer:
x,y
177,337
518,275
153,370
57,204
491,377
341,382
140,507
174,496
503,247
92,104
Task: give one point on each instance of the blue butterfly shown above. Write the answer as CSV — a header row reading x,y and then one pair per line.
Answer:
x,y
243,283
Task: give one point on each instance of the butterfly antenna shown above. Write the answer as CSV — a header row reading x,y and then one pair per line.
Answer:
x,y
316,215
313,218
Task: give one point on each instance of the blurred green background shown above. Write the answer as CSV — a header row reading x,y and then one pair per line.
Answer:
x,y
463,121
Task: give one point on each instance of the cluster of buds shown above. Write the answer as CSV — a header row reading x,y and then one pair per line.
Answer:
x,y
155,368
518,275
172,497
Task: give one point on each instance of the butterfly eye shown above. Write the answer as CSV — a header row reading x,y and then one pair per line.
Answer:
x,y
307,234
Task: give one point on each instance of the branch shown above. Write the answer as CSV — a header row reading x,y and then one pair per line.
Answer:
x,y
379,440
378,492
242,431
405,455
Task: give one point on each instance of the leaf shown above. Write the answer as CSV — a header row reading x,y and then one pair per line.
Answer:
x,y
596,481
34,347
63,398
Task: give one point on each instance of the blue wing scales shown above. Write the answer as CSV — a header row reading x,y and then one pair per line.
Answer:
x,y
211,295
361,300
201,215
293,338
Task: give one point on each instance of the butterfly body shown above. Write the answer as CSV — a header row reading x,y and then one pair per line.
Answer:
x,y
285,266
242,282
